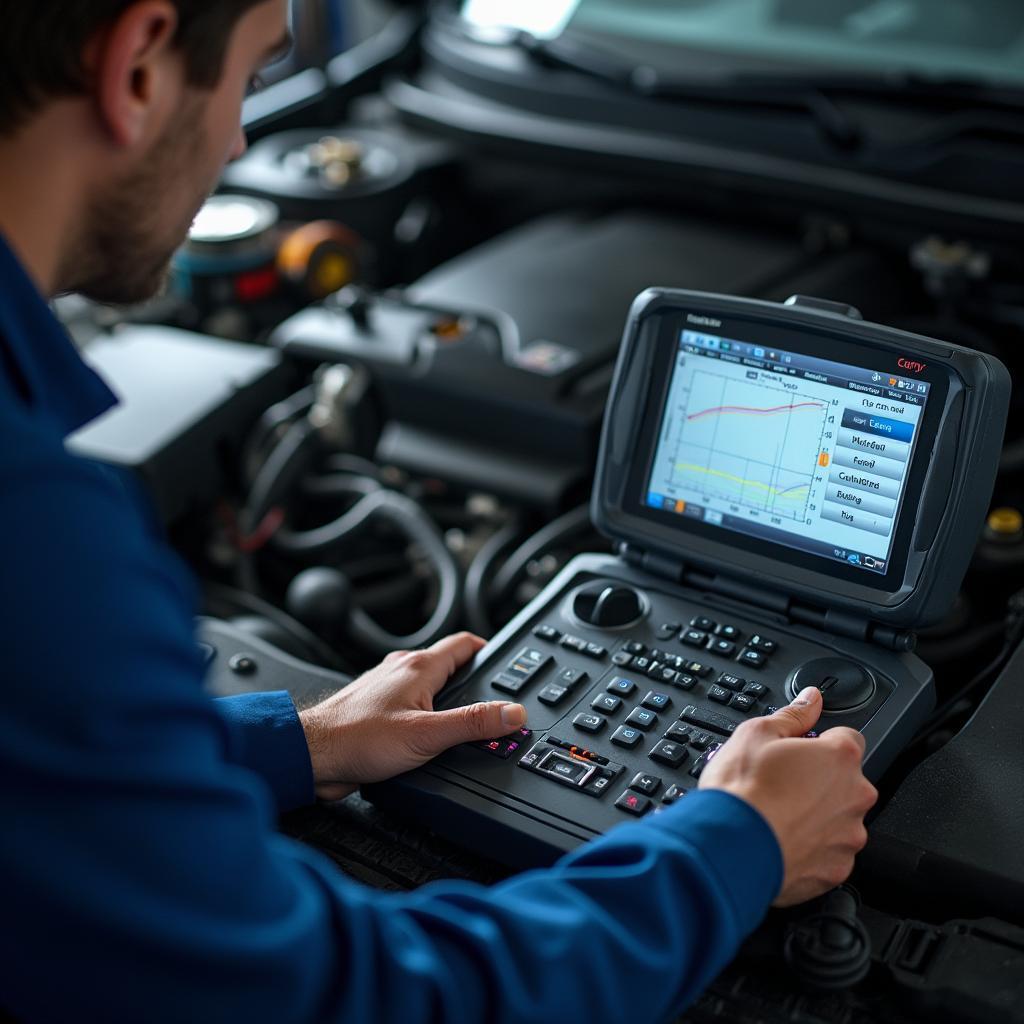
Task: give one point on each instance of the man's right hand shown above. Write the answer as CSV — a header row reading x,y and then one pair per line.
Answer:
x,y
811,791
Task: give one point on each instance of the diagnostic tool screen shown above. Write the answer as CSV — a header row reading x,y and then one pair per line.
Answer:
x,y
786,447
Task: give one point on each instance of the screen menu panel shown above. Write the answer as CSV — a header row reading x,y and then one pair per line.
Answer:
x,y
786,447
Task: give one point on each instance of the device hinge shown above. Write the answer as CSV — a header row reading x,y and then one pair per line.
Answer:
x,y
657,565
856,627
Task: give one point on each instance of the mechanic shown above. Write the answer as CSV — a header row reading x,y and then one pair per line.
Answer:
x,y
142,876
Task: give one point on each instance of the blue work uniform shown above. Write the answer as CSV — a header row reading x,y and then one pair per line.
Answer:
x,y
141,875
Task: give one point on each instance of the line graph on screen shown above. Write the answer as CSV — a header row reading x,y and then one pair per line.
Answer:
x,y
748,443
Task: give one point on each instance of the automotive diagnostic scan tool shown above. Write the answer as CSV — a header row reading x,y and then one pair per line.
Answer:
x,y
792,492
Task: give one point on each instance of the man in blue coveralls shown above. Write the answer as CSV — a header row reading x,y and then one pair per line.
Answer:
x,y
142,879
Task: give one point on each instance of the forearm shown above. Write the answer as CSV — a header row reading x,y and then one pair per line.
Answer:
x,y
630,927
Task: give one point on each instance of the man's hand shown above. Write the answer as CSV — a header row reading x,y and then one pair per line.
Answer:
x,y
383,723
811,792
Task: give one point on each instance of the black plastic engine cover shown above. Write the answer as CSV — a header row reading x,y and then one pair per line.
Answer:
x,y
956,824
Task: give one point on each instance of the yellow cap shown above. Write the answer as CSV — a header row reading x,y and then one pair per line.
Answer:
x,y
1006,522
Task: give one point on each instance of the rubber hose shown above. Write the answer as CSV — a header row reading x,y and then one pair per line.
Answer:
x,y
479,575
410,520
555,533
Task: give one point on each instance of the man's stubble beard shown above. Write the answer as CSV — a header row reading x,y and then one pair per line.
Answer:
x,y
125,248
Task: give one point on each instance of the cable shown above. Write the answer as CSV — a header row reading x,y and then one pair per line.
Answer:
x,y
290,458
271,421
346,462
285,467
410,520
950,708
556,532
479,574
287,461
338,485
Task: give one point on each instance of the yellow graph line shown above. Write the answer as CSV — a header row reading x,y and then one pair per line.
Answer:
x,y
779,492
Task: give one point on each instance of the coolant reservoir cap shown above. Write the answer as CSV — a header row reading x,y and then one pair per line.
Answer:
x,y
227,220
1005,524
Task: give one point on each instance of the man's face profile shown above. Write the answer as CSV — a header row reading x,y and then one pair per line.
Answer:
x,y
134,223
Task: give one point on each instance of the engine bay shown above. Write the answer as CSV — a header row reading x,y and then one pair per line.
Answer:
x,y
369,405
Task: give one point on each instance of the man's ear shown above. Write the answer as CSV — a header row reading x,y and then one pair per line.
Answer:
x,y
136,72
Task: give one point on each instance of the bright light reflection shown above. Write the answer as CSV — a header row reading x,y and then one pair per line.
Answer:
x,y
544,19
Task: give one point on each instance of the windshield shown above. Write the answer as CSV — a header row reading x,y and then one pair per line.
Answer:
x,y
981,40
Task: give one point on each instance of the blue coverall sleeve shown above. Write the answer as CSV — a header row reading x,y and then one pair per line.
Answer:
x,y
143,879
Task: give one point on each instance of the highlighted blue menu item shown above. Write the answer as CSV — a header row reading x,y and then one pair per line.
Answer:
x,y
854,419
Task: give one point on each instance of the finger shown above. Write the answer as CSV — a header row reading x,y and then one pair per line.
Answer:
x,y
487,720
457,649
845,738
800,716
435,665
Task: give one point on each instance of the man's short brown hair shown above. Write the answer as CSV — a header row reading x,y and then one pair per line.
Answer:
x,y
41,45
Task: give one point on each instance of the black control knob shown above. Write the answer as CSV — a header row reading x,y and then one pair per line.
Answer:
x,y
844,684
610,606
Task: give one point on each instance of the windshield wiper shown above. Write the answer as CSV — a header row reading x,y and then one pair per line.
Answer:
x,y
805,96
906,85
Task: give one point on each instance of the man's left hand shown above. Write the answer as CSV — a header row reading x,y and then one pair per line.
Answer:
x,y
383,723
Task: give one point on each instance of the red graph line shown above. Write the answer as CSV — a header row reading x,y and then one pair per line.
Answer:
x,y
746,409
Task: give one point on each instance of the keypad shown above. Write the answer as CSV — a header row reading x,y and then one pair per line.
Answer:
x,y
678,733
553,694
707,720
572,677
547,633
646,784
633,803
571,765
627,736
565,682
712,661
742,702
701,740
731,682
656,701
676,661
606,702
642,718
569,769
621,686
505,746
520,670
753,659
702,762
663,674
670,753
